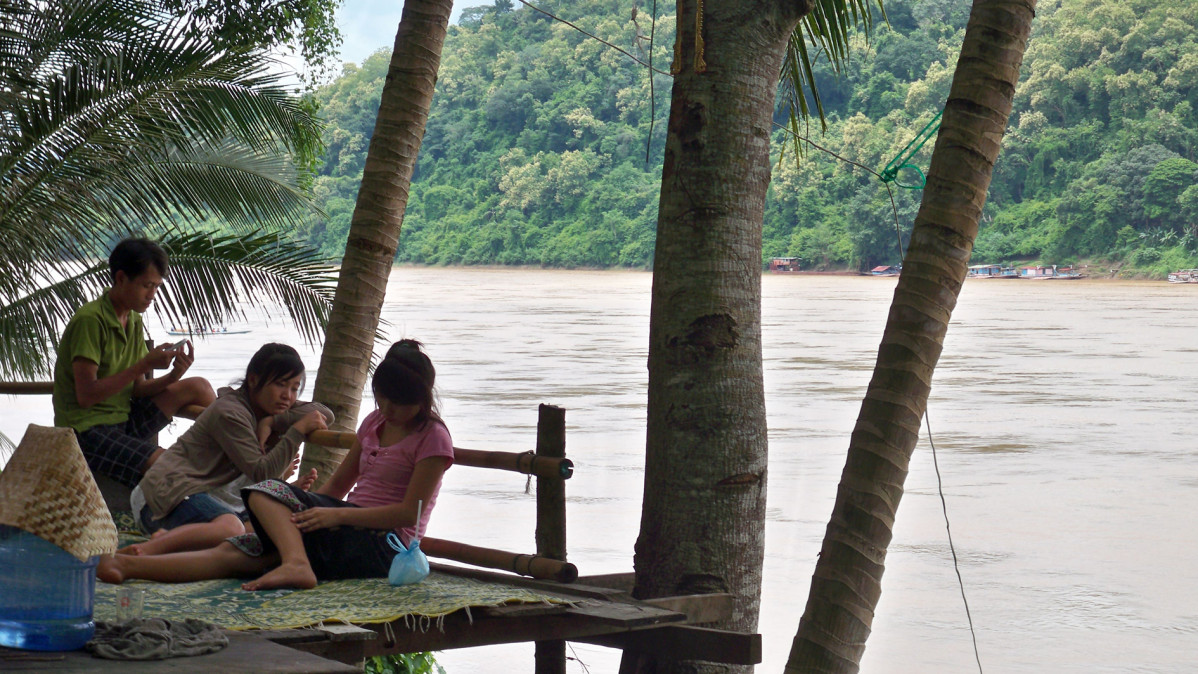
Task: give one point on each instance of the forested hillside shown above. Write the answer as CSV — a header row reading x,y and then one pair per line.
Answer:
x,y
536,146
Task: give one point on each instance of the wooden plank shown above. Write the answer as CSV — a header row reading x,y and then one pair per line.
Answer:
x,y
458,631
570,591
683,642
343,632
247,652
699,608
516,610
616,581
624,615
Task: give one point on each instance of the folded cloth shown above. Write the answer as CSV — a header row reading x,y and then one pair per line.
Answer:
x,y
155,639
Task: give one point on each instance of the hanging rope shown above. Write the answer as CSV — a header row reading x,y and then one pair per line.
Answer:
x,y
890,173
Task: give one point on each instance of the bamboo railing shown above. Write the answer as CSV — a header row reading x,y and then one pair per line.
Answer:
x,y
548,464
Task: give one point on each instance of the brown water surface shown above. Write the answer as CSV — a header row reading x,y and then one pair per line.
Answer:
x,y
1060,412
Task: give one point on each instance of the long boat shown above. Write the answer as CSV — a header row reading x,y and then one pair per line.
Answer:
x,y
991,271
1184,276
205,333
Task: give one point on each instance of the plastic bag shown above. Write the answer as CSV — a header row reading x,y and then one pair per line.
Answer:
x,y
409,565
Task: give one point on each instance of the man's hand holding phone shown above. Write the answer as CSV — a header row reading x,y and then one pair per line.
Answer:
x,y
184,352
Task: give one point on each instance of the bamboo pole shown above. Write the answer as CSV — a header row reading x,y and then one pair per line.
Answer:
x,y
20,388
551,521
535,566
526,463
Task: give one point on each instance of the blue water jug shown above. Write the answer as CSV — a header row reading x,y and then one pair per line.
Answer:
x,y
46,594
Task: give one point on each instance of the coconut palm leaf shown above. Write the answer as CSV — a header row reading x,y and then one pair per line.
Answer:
x,y
116,120
211,277
213,274
825,32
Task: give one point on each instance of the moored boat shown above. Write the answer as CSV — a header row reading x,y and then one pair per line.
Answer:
x,y
991,271
1044,273
1184,276
784,265
203,332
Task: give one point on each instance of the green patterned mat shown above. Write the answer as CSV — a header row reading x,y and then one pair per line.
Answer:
x,y
373,600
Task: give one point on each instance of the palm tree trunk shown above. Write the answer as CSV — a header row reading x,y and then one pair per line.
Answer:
x,y
377,219
847,582
703,514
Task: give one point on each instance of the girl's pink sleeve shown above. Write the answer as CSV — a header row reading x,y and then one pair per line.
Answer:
x,y
436,443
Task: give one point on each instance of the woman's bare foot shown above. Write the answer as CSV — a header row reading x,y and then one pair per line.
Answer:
x,y
299,576
134,549
109,570
159,533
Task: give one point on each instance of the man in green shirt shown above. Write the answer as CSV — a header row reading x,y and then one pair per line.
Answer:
x,y
103,385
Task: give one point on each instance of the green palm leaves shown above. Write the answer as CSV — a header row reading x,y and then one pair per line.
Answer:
x,y
115,120
825,31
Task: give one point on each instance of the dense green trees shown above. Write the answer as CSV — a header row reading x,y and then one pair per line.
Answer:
x,y
535,148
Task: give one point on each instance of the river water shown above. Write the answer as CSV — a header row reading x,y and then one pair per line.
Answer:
x,y
1060,414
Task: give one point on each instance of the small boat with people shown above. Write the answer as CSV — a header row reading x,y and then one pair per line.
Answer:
x,y
1184,276
203,332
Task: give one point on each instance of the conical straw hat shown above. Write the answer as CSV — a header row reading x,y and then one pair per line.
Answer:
x,y
47,489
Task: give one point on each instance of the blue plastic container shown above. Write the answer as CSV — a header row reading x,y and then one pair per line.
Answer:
x,y
46,594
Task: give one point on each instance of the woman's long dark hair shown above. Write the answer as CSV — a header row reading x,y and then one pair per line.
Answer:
x,y
271,363
406,377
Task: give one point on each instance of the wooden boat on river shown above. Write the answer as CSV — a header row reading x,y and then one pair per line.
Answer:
x,y
1184,276
204,332
991,271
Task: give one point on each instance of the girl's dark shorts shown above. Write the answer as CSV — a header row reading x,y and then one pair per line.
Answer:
x,y
335,553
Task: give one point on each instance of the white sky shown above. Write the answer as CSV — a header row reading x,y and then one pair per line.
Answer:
x,y
367,25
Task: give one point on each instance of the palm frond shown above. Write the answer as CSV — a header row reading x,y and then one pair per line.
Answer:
x,y
116,119
213,275
30,325
826,30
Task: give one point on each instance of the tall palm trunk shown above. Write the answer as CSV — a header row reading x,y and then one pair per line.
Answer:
x,y
703,514
377,219
846,585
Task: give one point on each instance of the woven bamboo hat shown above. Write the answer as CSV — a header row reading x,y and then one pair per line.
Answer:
x,y
47,489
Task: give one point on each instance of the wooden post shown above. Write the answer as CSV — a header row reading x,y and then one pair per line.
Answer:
x,y
551,520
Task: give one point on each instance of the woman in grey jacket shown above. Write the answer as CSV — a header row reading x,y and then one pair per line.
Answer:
x,y
249,434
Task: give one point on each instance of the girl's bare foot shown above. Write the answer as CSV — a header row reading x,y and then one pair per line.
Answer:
x,y
134,549
109,570
299,576
159,533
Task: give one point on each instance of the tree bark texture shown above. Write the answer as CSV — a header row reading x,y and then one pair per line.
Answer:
x,y
377,220
847,582
703,517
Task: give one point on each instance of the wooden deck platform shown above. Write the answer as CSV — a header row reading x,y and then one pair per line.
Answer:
x,y
602,614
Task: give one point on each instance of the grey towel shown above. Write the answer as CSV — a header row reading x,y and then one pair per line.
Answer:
x,y
155,639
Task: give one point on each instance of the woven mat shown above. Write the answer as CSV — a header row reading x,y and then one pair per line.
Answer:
x,y
373,600
364,601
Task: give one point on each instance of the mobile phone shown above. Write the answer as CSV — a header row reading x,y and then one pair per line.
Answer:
x,y
176,345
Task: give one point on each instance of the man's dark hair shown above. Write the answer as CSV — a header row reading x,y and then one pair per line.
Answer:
x,y
134,257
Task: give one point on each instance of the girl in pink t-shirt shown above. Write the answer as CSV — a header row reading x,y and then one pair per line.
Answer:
x,y
401,451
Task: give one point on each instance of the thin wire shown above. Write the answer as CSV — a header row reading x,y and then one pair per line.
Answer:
x,y
948,529
898,232
593,37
